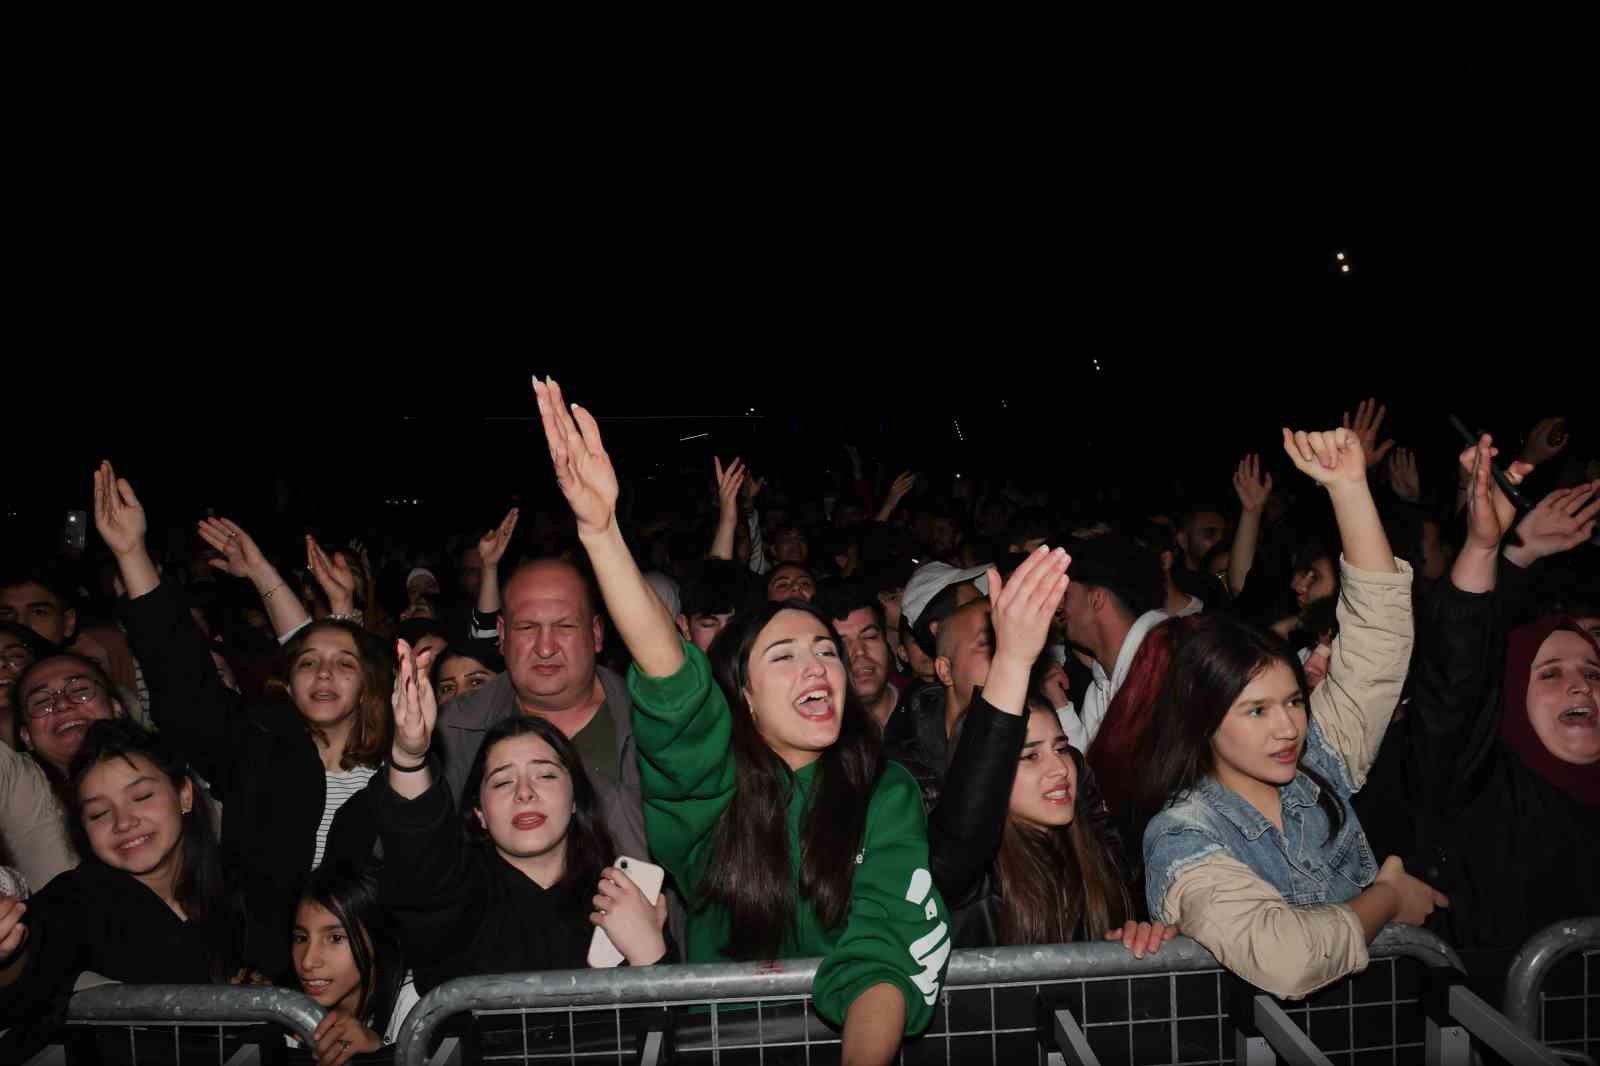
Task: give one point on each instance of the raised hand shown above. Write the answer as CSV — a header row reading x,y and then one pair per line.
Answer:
x,y
1328,458
583,469
897,492
1250,484
415,710
1369,417
1489,512
632,922
1022,607
493,544
1403,476
729,484
1546,440
1561,521
240,556
338,581
118,515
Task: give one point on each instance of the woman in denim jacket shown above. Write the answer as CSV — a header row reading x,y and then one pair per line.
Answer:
x,y
1256,852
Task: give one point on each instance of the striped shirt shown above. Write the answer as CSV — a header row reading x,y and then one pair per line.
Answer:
x,y
342,784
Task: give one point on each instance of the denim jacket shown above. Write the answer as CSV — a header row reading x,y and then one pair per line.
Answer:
x,y
1299,862
1267,903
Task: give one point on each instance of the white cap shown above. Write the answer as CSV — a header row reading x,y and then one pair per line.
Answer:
x,y
929,579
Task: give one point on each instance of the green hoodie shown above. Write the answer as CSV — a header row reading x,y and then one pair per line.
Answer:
x,y
896,931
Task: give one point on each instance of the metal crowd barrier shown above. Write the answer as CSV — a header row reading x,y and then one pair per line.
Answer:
x,y
1553,986
1070,1003
180,1024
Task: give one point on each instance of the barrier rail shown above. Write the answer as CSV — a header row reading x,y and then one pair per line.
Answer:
x,y
1090,1002
149,1024
1553,986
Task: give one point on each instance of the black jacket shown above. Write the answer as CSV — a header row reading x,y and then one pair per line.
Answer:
x,y
98,920
967,819
461,907
261,763
1513,852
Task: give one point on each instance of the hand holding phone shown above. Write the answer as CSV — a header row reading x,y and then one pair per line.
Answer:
x,y
628,889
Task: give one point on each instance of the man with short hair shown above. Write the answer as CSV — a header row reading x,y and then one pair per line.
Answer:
x,y
711,597
41,600
1199,530
1113,601
858,618
550,634
790,581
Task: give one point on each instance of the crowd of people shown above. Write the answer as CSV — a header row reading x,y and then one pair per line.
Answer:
x,y
870,728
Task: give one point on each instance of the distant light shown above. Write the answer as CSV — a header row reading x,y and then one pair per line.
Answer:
x,y
1344,268
1339,256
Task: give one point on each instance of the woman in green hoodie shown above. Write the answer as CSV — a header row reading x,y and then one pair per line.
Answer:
x,y
766,794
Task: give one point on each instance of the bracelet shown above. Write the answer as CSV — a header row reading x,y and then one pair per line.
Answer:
x,y
423,765
267,595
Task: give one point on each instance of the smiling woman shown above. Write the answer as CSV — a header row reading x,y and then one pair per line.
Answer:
x,y
147,905
291,773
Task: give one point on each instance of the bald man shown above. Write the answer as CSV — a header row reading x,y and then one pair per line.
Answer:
x,y
923,737
549,633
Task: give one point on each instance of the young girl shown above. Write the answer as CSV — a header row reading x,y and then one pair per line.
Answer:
x,y
1257,853
347,958
147,905
520,883
291,774
766,794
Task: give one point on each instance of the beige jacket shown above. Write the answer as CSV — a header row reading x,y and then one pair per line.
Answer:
x,y
1221,902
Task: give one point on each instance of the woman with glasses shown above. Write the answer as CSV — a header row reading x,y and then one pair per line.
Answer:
x,y
291,774
33,835
58,698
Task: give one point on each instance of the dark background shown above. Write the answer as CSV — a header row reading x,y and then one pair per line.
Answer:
x,y
343,285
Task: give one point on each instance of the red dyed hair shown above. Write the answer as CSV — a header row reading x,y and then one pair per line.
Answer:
x,y
1117,752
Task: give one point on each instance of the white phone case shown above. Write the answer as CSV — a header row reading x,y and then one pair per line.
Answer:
x,y
603,954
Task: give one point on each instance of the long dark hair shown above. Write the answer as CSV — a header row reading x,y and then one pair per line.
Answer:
x,y
1060,884
1215,663
750,872
369,733
199,889
350,894
589,844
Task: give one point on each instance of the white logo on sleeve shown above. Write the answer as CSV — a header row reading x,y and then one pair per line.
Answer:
x,y
932,950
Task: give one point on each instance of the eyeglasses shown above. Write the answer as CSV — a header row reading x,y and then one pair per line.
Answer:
x,y
16,658
77,690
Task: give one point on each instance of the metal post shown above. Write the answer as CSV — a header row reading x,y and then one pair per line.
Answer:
x,y
1285,1036
1446,1045
1496,1030
449,1053
1072,1047
248,1055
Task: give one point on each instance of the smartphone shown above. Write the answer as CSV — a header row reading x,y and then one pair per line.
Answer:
x,y
75,531
603,954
